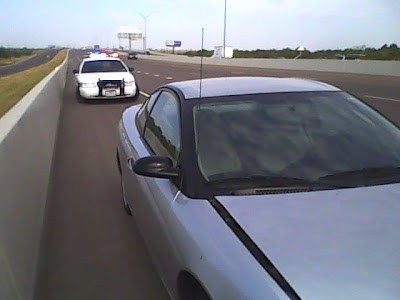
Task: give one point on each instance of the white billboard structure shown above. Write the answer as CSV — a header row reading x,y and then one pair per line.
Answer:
x,y
219,53
129,33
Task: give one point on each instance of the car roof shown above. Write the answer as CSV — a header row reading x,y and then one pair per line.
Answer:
x,y
230,86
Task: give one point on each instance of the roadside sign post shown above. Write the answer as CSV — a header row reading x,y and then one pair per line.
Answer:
x,y
173,44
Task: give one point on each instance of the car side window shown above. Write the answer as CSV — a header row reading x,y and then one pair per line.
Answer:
x,y
162,132
151,101
145,111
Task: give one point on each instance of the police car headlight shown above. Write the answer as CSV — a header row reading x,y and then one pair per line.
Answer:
x,y
129,83
88,85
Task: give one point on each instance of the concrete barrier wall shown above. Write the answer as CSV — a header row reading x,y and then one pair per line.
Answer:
x,y
27,138
373,67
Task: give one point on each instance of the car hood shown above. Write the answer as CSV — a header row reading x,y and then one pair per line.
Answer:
x,y
336,244
94,77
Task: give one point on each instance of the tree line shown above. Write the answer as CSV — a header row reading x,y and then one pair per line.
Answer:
x,y
386,52
12,52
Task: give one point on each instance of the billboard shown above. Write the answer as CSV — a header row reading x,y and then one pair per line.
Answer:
x,y
132,36
129,29
130,32
173,43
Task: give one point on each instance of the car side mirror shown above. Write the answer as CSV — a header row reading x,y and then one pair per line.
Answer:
x,y
75,71
155,166
131,69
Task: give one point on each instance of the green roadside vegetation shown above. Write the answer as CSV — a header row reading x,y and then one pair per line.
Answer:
x,y
386,52
12,56
16,86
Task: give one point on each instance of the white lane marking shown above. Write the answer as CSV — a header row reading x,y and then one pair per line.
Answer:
x,y
382,98
168,78
144,94
138,71
146,73
156,75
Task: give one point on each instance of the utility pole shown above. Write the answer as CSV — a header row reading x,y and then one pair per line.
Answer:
x,y
145,31
223,49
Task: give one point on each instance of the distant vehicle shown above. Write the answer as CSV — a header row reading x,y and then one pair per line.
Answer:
x,y
113,54
132,55
87,54
105,77
350,56
96,47
264,188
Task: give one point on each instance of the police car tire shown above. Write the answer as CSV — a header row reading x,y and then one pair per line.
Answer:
x,y
79,97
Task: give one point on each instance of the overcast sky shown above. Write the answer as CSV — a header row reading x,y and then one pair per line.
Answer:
x,y
251,24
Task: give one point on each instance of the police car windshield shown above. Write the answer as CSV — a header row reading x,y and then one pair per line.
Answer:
x,y
100,66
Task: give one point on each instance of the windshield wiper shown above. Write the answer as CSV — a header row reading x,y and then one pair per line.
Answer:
x,y
365,176
365,173
276,181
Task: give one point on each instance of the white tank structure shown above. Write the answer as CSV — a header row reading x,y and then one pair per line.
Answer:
x,y
218,52
300,49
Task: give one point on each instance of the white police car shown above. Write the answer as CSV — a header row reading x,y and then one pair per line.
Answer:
x,y
105,77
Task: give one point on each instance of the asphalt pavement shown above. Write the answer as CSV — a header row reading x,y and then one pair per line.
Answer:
x,y
32,62
91,249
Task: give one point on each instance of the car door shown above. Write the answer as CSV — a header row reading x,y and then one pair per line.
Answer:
x,y
150,199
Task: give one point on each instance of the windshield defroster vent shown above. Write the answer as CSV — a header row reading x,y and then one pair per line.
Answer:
x,y
270,191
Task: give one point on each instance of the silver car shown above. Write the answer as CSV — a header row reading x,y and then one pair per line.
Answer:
x,y
264,188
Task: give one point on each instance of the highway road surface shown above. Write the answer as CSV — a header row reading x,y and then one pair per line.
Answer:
x,y
91,249
32,62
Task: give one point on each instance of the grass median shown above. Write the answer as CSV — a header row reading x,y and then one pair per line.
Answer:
x,y
16,86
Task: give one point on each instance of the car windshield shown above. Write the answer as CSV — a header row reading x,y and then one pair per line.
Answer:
x,y
307,136
100,66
